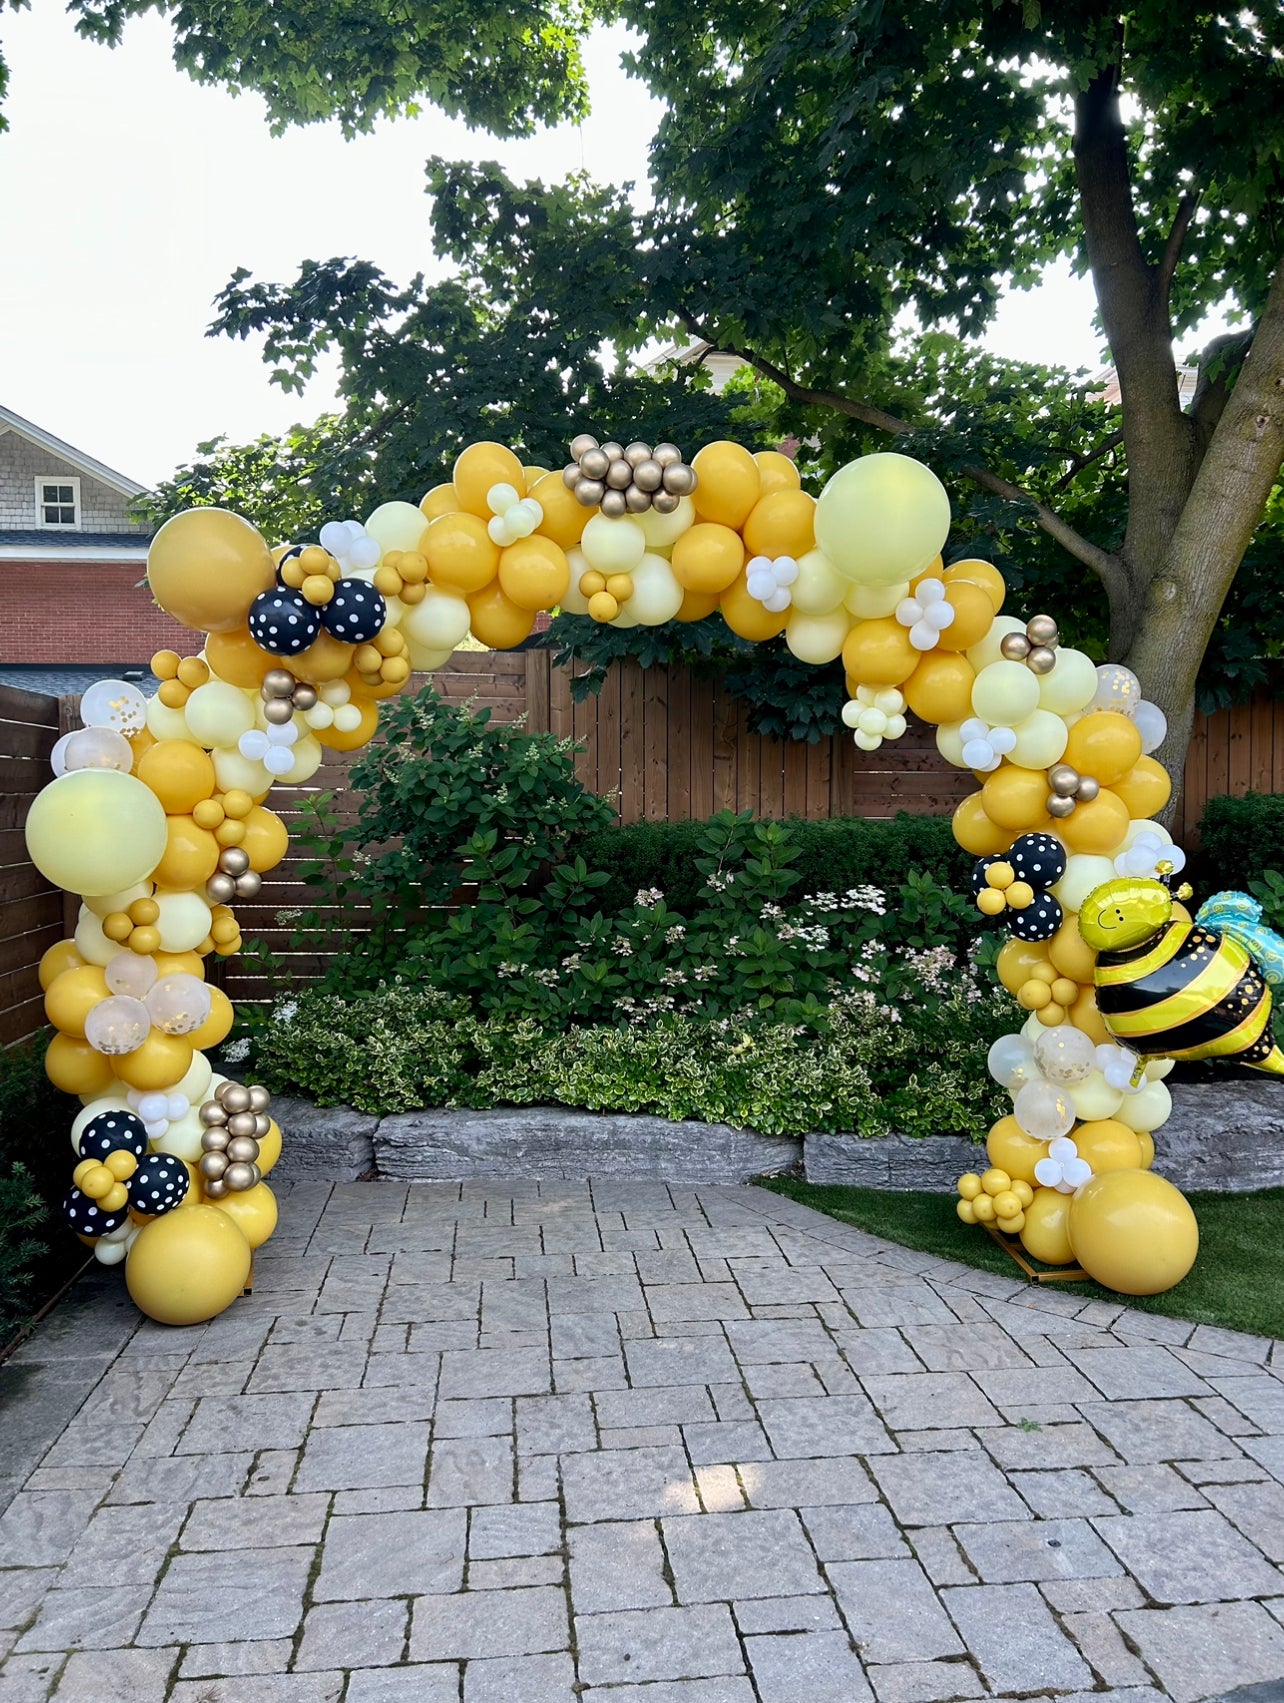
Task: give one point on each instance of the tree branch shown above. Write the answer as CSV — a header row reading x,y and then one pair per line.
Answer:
x,y
1108,567
1176,240
1079,462
1218,364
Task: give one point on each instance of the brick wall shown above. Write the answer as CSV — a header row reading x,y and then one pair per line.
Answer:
x,y
21,462
61,614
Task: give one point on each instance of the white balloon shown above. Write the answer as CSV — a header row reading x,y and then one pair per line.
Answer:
x,y
1043,1110
1118,688
1152,724
115,704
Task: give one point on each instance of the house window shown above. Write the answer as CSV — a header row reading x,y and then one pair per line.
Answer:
x,y
58,501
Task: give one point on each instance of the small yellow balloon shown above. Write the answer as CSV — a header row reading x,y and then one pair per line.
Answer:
x,y
269,1148
973,616
1046,1234
995,1181
253,1211
205,567
969,1185
1133,1232
186,1267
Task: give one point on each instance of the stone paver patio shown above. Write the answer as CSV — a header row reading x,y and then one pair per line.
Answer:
x,y
630,1443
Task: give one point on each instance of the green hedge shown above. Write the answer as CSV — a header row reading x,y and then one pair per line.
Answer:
x,y
36,1251
834,856
1241,838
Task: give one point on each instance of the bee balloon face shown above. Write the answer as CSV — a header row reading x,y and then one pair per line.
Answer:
x,y
1123,913
1168,987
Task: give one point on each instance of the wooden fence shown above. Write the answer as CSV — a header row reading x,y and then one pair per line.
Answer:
x,y
664,743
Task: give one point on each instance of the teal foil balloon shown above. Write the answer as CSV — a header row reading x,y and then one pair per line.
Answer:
x,y
1240,916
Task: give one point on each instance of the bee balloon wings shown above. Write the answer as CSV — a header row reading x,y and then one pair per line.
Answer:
x,y
1239,916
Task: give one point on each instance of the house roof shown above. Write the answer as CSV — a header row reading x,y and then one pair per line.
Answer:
x,y
61,682
57,543
9,421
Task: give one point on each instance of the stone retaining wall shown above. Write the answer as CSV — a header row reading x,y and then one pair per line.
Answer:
x,y
1224,1135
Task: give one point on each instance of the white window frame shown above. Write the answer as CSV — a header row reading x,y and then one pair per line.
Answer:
x,y
43,479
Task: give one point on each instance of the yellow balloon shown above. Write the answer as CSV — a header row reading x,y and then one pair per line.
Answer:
x,y
95,831
191,855
1071,684
179,772
1108,1145
1040,740
1148,1110
1133,1232
205,567
1018,960
657,596
266,841
729,484
974,830
1046,1232
1105,745
217,1026
253,1211
1145,789
269,1148
326,658
440,620
76,1068
564,518
1005,693
337,739
234,657
481,467
940,688
819,588
1097,827
783,523
747,617
184,921
218,714
879,653
440,500
697,606
1070,953
496,620
776,472
1084,1015
976,572
662,531
708,557
534,572
160,1062
1017,799
1147,1148
461,554
186,1267
613,546
1010,1149
973,616
72,996
59,958
397,526
882,519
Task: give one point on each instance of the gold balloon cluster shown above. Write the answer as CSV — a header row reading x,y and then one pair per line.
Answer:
x,y
1036,647
283,695
233,1123
1069,788
624,479
233,878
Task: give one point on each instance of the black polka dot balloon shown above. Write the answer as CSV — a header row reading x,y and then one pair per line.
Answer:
x,y
112,1132
1039,859
1039,920
159,1184
356,612
87,1218
283,622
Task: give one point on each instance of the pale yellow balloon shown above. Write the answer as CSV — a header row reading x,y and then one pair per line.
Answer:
x,y
183,1137
218,714
165,723
1133,1232
1083,872
988,650
92,944
574,601
198,1080
882,519
308,753
949,742
819,588
103,904
1071,684
1147,1111
1040,740
1094,1098
873,602
96,831
1005,693
657,596
235,773
425,659
397,526
817,638
662,531
613,546
440,621
184,920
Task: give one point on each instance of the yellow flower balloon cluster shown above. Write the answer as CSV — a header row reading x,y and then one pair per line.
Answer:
x,y
158,817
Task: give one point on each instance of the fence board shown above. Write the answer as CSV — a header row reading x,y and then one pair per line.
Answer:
x,y
31,912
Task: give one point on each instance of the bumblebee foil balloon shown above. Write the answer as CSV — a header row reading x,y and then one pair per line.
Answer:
x,y
1169,987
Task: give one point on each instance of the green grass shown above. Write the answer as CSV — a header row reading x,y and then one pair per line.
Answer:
x,y
1237,1280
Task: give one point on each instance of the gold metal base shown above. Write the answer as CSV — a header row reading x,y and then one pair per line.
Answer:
x,y
1049,1274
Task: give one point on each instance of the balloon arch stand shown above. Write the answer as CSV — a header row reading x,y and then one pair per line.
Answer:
x,y
157,817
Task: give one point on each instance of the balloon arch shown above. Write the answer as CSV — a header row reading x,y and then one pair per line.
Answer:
x,y
157,818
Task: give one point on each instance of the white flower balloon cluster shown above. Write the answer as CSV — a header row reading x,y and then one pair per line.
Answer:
x,y
1063,1169
351,546
927,614
1148,850
985,747
875,715
512,516
270,746
768,580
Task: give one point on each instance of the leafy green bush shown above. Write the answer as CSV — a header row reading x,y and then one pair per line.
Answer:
x,y
1241,838
394,1049
35,1170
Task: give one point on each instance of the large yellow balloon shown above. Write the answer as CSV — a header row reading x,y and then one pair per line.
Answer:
x,y
974,830
1016,799
729,484
95,831
186,1267
266,841
940,688
746,616
440,500
191,855
973,615
1105,744
218,714
461,554
1018,960
73,995
1070,953
205,567
1133,1231
440,620
534,572
1013,1151
269,1148
783,523
1108,1145
217,1026
1046,1231
496,620
708,557
326,658
353,738
776,472
60,957
179,772
160,1062
879,653
977,572
76,1068
236,658
1097,827
882,519
564,518
253,1211
481,467
1145,789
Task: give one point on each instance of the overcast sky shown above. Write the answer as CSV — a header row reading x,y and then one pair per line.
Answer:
x,y
128,196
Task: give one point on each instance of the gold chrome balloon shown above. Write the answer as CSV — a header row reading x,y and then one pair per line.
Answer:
x,y
1169,988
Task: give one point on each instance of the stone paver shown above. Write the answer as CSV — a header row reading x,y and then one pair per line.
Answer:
x,y
631,1443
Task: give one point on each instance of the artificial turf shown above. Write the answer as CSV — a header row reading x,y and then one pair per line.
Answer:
x,y
1236,1281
